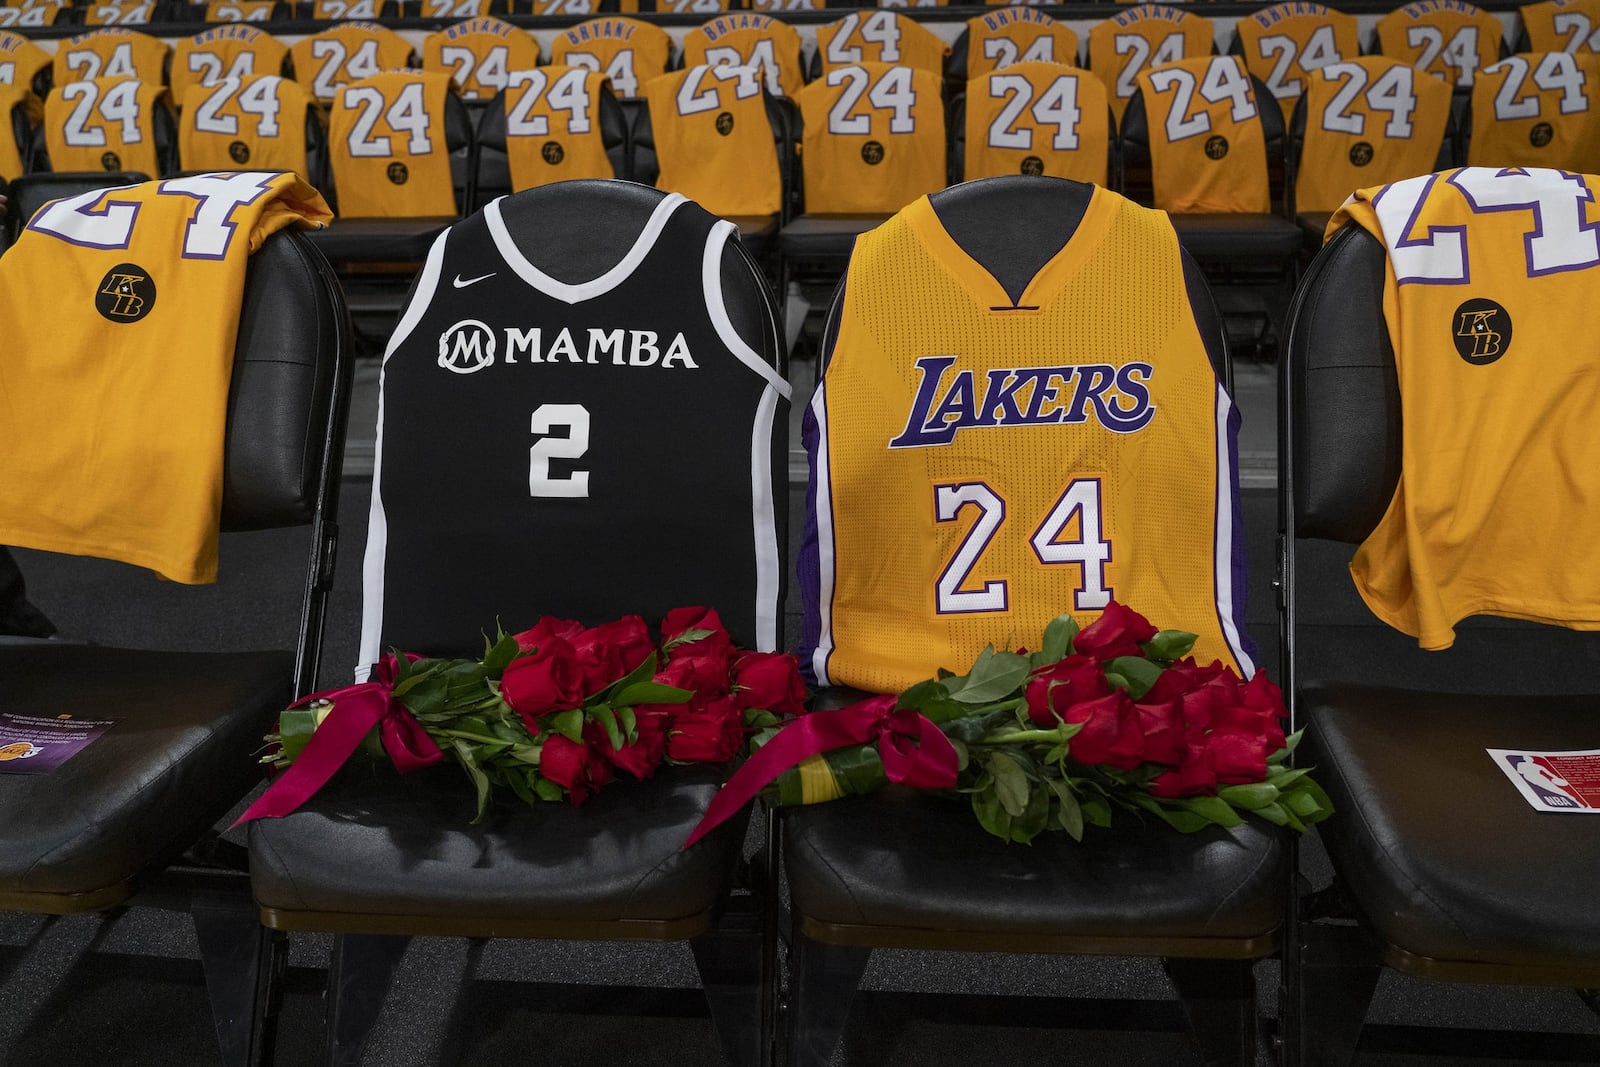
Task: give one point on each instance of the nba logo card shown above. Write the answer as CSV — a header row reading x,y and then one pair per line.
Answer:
x,y
1553,781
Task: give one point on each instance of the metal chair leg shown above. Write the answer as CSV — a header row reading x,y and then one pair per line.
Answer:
x,y
1338,972
1219,1002
822,983
360,971
236,956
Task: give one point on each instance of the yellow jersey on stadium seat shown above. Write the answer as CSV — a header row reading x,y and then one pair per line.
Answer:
x,y
714,142
239,10
118,12
1144,36
31,15
326,62
257,123
553,127
386,145
116,400
1283,45
1010,35
1369,121
343,10
1450,38
20,60
1537,110
11,98
230,51
482,54
1491,275
455,9
982,464
111,54
779,7
749,39
1563,26
880,37
627,51
1037,118
1208,152
677,7
104,124
874,138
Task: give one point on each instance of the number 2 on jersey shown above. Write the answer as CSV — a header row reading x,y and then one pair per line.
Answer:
x,y
547,418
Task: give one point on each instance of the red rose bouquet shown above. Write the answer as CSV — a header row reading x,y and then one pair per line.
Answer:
x,y
1113,717
549,713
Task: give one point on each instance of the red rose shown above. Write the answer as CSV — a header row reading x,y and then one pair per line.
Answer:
x,y
578,769
713,734
1117,632
1194,777
642,756
769,680
543,681
1238,758
546,627
1162,724
607,653
388,668
704,676
1111,732
716,645
1057,686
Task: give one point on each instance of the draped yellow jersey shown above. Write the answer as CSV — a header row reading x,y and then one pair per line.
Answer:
x,y
1010,35
749,39
1537,110
1563,26
257,123
331,10
481,54
1450,38
386,145
778,7
1140,37
1283,45
118,12
1037,118
38,14
13,97
239,10
234,50
115,401
455,9
553,127
1491,278
1207,148
1369,121
880,37
874,138
20,60
714,141
981,465
110,54
105,124
627,51
326,62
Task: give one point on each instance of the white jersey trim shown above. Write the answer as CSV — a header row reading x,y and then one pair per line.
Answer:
x,y
769,564
1222,564
577,294
822,508
717,309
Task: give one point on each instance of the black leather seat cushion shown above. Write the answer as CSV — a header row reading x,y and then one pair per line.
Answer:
x,y
922,862
190,726
825,236
1230,235
376,842
378,240
1450,861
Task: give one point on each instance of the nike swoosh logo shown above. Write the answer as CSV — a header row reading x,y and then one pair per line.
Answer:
x,y
462,283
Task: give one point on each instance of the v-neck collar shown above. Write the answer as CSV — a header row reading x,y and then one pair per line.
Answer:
x,y
577,293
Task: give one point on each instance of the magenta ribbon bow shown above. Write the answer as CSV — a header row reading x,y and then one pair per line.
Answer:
x,y
914,751
356,710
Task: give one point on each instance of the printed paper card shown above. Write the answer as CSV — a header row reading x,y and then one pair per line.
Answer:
x,y
1554,781
38,744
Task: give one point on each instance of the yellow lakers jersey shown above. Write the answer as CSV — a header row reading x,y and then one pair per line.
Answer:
x,y
239,10
386,145
118,12
20,60
1369,121
778,7
880,37
874,138
455,9
341,10
13,97
31,15
714,142
115,402
111,54
481,54
1037,118
1563,26
104,124
676,7
1536,110
749,39
1450,38
257,123
326,62
1285,44
230,51
1207,149
1491,275
1010,35
566,8
628,52
1143,36
983,465
553,127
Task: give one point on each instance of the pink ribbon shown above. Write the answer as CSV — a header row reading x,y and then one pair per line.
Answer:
x,y
914,751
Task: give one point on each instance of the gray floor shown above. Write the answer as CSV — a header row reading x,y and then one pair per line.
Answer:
x,y
125,989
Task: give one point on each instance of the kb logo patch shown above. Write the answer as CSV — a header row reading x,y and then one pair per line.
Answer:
x,y
239,152
398,174
1541,134
110,161
724,123
126,294
1482,331
872,153
1216,146
1032,165
1360,154
552,153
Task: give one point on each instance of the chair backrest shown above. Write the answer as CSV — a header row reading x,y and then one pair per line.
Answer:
x,y
85,126
16,127
264,122
1141,36
1534,110
1033,118
525,140
640,340
400,146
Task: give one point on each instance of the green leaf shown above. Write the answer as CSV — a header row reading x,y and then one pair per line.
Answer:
x,y
480,781
1011,782
517,781
994,677
1179,819
1137,674
607,718
963,755
1068,812
1257,795
759,718
1273,813
1304,803
568,724
1034,818
1096,811
629,722
1213,809
1169,645
651,693
991,814
1058,635
500,654
1290,743
972,728
642,673
687,637
529,754
547,790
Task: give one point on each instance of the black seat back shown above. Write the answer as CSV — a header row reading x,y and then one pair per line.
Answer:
x,y
493,170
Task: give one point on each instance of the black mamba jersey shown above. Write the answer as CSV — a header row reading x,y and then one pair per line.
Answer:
x,y
530,422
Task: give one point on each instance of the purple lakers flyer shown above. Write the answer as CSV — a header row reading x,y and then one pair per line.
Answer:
x,y
38,744
1554,781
